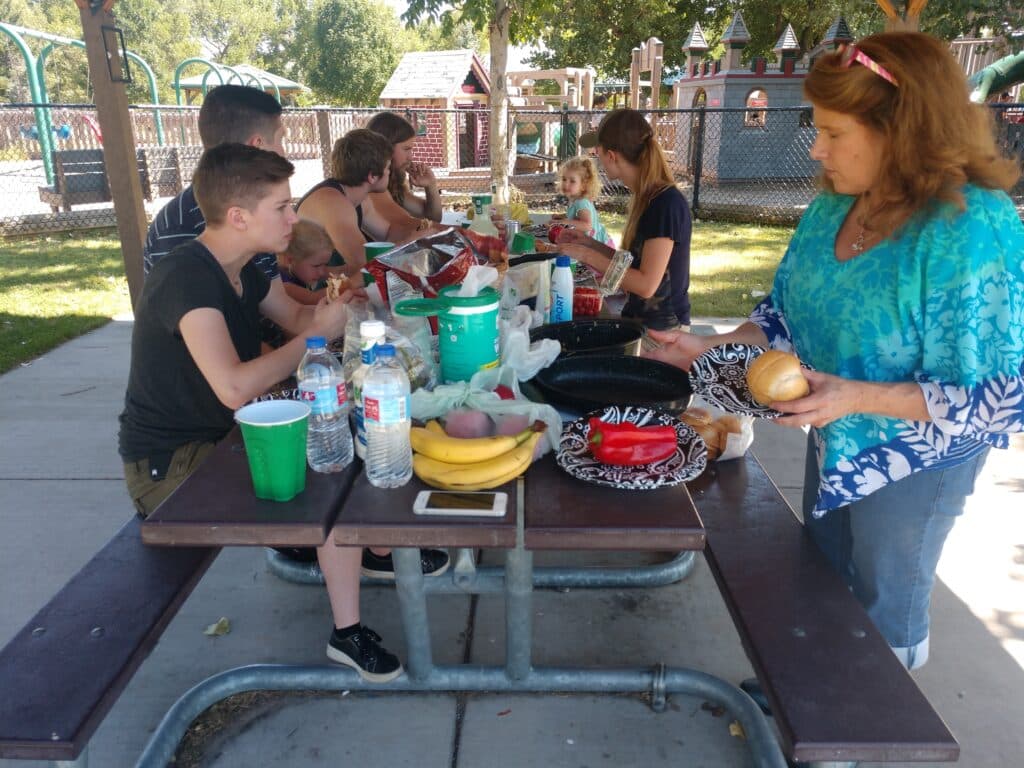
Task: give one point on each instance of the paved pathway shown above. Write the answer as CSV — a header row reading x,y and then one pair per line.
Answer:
x,y
62,497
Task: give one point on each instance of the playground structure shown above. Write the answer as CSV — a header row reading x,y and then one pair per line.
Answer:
x,y
997,77
648,58
35,72
45,132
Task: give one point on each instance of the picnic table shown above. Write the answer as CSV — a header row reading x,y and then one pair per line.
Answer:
x,y
546,510
794,615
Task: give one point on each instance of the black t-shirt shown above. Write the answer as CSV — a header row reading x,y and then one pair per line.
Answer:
x,y
668,215
168,402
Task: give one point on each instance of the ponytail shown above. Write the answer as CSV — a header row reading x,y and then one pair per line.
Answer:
x,y
654,177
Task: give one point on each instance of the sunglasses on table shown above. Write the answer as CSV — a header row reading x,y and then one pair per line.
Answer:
x,y
852,54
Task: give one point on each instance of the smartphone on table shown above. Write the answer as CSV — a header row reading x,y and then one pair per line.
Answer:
x,y
463,503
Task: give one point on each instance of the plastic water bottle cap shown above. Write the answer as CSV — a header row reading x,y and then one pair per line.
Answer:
x,y
385,350
561,261
371,328
315,341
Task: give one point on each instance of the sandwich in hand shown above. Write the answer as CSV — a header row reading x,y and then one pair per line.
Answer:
x,y
336,285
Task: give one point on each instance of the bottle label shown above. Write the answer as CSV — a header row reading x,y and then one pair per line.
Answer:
x,y
324,400
388,410
561,307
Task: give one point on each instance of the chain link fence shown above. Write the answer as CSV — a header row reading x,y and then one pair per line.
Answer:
x,y
735,164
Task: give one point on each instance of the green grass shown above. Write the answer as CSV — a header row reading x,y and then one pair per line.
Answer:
x,y
727,262
56,287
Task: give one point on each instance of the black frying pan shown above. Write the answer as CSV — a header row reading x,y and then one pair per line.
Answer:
x,y
593,335
586,382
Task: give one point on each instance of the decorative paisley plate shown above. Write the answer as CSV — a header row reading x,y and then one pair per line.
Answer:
x,y
720,377
685,464
284,390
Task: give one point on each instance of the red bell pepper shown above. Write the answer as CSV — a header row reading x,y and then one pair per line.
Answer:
x,y
628,445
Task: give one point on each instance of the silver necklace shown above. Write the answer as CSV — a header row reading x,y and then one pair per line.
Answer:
x,y
858,242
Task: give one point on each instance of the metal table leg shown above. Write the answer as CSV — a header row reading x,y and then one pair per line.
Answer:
x,y
413,603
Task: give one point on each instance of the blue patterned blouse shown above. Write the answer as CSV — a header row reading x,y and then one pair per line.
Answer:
x,y
940,303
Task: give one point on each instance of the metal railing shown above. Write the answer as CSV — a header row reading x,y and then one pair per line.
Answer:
x,y
742,164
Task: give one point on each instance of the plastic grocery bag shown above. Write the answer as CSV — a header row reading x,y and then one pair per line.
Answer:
x,y
517,353
410,336
478,394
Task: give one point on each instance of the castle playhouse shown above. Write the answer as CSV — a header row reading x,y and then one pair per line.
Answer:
x,y
752,141
425,82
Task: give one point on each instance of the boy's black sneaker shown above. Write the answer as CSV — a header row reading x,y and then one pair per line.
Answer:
x,y
362,651
434,563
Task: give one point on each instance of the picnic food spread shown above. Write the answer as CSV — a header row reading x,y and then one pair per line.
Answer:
x,y
775,376
627,445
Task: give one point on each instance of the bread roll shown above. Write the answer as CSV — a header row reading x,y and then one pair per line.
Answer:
x,y
695,417
776,377
728,423
712,438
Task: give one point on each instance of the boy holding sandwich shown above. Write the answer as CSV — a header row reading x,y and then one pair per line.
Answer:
x,y
196,357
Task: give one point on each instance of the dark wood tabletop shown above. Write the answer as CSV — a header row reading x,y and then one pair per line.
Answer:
x,y
565,513
384,517
216,506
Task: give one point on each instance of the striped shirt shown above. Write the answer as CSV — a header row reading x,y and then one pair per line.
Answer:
x,y
180,221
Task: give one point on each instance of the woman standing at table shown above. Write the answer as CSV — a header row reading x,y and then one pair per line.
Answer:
x,y
405,172
903,288
658,225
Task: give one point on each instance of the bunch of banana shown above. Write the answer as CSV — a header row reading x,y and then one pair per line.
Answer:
x,y
471,464
519,212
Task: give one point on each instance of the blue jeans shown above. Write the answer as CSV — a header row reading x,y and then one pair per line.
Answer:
x,y
887,546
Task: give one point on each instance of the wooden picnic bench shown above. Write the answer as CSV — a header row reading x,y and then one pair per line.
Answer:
x,y
79,178
836,690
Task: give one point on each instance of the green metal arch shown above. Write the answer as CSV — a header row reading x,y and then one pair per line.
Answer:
x,y
42,119
218,69
153,94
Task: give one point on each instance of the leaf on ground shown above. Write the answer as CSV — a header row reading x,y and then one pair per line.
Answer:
x,y
222,627
735,729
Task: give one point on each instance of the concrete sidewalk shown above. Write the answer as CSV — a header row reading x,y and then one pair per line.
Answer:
x,y
62,497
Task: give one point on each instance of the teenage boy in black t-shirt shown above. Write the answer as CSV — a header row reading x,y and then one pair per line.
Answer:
x,y
196,357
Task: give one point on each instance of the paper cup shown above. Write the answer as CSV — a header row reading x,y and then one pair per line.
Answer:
x,y
274,432
373,250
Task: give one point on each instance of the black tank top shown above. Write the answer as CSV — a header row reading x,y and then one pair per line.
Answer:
x,y
335,184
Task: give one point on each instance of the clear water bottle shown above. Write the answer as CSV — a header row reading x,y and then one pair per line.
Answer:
x,y
371,333
561,290
386,412
322,387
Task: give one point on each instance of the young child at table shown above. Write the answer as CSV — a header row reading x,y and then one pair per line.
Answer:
x,y
195,358
304,263
579,181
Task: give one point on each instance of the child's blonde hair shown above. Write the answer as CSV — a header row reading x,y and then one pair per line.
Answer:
x,y
308,239
587,169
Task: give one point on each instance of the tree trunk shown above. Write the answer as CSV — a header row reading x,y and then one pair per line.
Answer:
x,y
498,129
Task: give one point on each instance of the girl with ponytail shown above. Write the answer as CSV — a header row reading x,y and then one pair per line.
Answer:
x,y
657,228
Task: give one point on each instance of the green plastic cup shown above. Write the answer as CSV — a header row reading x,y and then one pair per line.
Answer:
x,y
523,242
274,432
373,250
